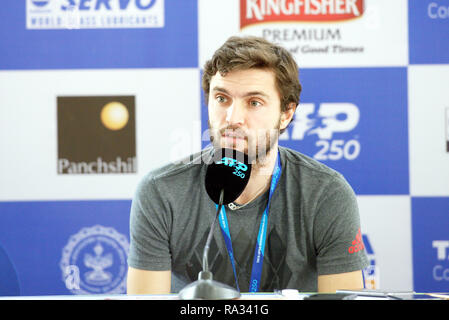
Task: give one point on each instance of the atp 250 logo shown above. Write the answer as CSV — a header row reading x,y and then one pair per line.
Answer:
x,y
323,122
238,166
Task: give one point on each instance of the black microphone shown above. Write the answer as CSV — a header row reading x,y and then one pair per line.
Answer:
x,y
226,177
228,172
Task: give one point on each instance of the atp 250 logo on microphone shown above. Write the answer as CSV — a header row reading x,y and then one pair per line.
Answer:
x,y
344,122
96,135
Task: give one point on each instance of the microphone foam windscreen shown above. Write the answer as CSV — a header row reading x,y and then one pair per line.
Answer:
x,y
229,170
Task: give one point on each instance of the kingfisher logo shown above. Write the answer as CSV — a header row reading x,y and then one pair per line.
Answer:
x,y
323,122
304,27
94,14
257,11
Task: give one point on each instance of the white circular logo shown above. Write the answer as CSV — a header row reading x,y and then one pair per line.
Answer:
x,y
94,261
40,3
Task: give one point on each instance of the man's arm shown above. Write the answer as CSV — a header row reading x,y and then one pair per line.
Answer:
x,y
337,235
332,282
149,241
148,282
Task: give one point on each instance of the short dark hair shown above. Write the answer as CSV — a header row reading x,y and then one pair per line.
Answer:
x,y
249,52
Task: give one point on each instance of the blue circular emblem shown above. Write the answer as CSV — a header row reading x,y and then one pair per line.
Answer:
x,y
94,261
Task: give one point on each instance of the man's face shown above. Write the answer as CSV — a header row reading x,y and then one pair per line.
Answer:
x,y
245,112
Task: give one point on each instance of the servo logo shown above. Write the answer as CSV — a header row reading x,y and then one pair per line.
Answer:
x,y
324,122
96,135
94,14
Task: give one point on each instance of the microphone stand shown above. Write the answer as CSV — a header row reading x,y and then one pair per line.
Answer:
x,y
205,287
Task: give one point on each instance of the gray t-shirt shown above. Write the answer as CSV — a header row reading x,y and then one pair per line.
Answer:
x,y
313,226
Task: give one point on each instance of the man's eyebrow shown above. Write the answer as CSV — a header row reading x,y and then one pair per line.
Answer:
x,y
251,93
256,93
220,89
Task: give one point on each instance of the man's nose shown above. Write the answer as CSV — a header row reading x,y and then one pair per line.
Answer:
x,y
236,113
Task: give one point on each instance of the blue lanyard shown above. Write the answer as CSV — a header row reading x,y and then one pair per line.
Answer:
x,y
256,272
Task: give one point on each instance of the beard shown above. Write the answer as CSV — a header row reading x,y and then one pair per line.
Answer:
x,y
257,144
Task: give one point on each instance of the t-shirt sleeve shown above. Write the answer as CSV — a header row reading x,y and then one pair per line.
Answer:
x,y
337,231
149,229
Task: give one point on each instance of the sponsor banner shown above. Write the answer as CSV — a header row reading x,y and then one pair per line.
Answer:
x,y
96,134
96,14
89,258
67,247
388,245
355,121
79,34
92,134
428,31
319,33
429,130
430,223
343,122
264,11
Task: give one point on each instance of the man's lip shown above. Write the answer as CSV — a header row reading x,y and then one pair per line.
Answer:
x,y
234,136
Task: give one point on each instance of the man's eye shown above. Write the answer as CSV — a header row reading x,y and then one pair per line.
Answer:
x,y
221,99
255,103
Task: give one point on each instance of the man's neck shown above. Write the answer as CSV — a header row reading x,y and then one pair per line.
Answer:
x,y
260,179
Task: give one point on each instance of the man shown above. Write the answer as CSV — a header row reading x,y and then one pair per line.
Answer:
x,y
252,88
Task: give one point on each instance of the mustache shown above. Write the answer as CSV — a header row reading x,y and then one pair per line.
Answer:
x,y
234,130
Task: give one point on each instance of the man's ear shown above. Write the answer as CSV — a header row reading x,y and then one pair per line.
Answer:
x,y
287,115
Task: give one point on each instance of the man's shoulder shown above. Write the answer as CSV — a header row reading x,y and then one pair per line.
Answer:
x,y
309,172
307,165
179,170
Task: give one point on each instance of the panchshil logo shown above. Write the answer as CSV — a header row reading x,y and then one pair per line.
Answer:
x,y
94,261
96,135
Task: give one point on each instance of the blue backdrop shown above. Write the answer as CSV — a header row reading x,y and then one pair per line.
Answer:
x,y
355,119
